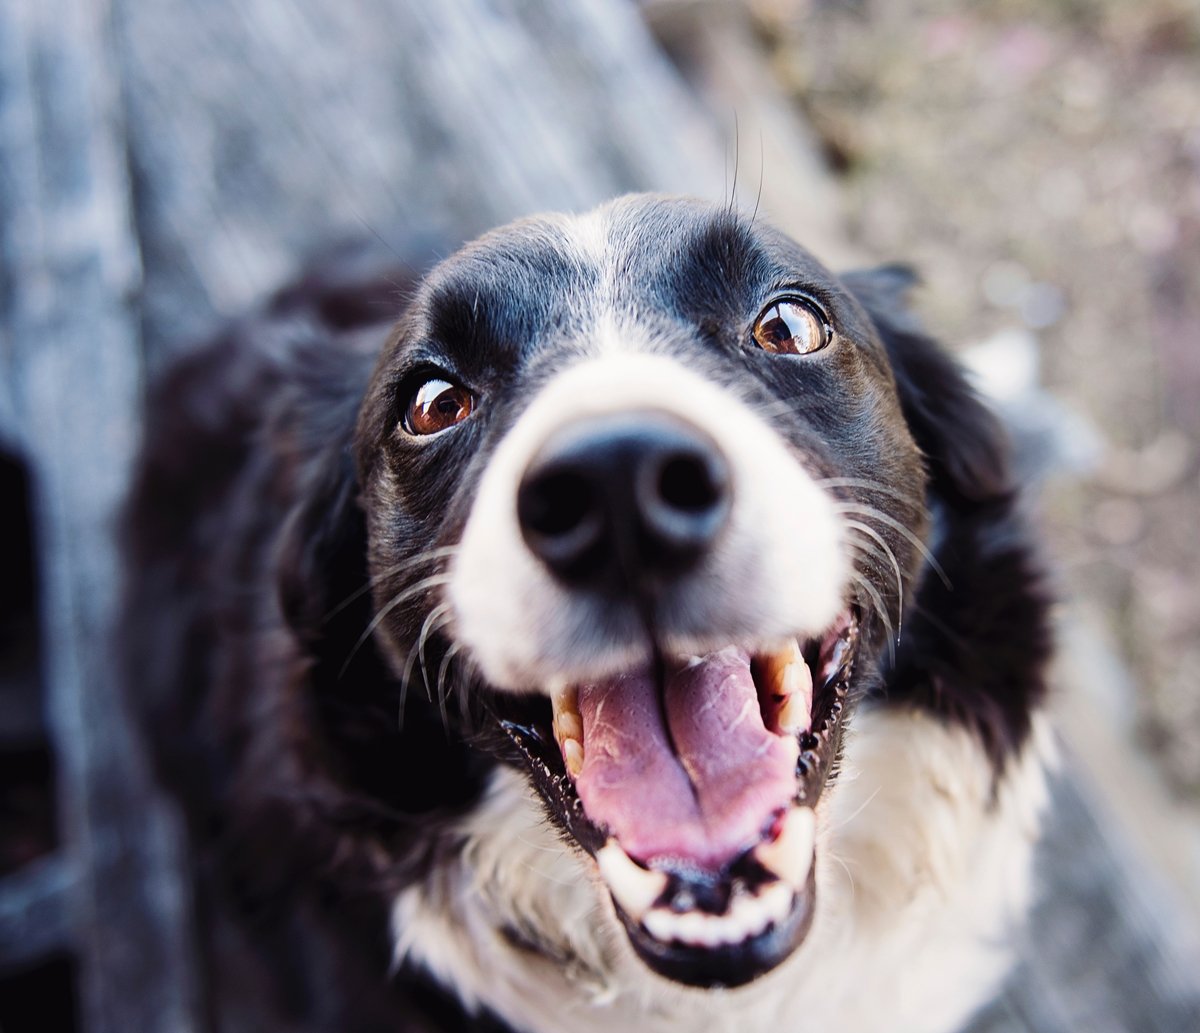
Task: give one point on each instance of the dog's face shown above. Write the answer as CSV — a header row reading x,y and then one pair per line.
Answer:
x,y
643,508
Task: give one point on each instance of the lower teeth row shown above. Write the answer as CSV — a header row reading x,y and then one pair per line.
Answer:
x,y
747,916
640,892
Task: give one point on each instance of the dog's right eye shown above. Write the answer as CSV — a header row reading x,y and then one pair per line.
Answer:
x,y
792,326
437,405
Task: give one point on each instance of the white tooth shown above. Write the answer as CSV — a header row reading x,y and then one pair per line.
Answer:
x,y
691,927
660,924
743,922
573,756
747,916
716,929
775,902
733,929
725,929
750,916
789,855
631,885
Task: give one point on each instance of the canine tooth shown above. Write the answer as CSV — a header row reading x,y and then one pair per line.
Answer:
x,y
569,725
788,683
776,664
564,701
573,756
632,886
789,855
794,715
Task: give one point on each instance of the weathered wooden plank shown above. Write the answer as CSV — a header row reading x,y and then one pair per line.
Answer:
x,y
291,124
73,364
35,918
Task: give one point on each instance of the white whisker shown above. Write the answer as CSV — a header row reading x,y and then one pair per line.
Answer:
x,y
433,621
875,536
872,513
880,609
396,600
424,557
441,684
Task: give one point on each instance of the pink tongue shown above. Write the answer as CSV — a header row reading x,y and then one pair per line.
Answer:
x,y
715,798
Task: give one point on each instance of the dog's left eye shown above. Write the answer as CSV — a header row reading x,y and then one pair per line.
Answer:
x,y
437,405
791,326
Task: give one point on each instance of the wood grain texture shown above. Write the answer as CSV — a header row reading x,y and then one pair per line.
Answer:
x,y
259,131
73,363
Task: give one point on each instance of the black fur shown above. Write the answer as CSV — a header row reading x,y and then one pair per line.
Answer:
x,y
314,784
977,642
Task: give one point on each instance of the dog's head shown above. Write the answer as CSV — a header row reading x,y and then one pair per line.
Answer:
x,y
644,505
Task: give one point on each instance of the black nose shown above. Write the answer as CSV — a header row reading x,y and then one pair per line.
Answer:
x,y
624,498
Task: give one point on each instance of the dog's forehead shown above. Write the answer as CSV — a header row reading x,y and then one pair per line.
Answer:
x,y
673,243
636,254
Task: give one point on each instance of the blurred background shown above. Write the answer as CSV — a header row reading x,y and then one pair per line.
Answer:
x,y
165,166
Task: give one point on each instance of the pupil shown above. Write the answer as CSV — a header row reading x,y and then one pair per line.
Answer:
x,y
779,331
436,406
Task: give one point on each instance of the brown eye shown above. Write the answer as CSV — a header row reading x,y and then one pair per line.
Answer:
x,y
437,405
791,327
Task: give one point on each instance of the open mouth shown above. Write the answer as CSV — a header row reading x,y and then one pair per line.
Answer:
x,y
693,784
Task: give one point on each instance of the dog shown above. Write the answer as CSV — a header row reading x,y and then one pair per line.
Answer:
x,y
640,632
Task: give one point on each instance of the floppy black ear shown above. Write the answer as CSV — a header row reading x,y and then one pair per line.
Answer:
x,y
976,639
964,444
321,559
322,577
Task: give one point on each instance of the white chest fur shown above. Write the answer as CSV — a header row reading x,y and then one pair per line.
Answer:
x,y
922,879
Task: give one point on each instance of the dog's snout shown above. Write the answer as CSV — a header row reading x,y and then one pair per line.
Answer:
x,y
622,498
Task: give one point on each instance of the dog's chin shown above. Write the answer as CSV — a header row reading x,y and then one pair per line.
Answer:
x,y
727,964
692,784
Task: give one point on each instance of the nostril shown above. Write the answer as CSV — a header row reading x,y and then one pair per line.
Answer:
x,y
689,483
618,499
556,504
683,500
561,515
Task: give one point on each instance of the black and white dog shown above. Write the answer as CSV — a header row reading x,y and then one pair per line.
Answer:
x,y
640,635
